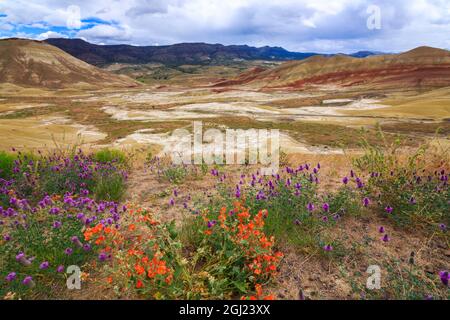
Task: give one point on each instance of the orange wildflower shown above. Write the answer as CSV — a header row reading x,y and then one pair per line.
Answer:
x,y
139,269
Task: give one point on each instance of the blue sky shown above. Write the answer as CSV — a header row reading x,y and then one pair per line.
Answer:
x,y
297,25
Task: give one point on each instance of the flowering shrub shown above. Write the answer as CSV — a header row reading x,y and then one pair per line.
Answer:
x,y
411,190
141,256
299,212
39,243
233,256
34,176
173,173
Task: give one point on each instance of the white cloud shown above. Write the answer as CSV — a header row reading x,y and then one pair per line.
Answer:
x,y
50,34
106,32
310,25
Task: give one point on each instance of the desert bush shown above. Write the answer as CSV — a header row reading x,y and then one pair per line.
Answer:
x,y
410,187
39,243
34,176
232,257
299,212
175,173
6,164
110,156
109,186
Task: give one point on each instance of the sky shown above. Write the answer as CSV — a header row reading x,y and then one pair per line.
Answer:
x,y
326,26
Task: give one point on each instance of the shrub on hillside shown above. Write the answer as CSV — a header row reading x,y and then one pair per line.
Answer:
x,y
40,242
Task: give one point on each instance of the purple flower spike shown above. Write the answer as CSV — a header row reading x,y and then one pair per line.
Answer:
x,y
211,223
102,256
326,207
381,230
345,180
76,241
171,202
54,210
389,209
86,247
28,281
443,227
22,259
445,276
44,265
310,207
11,277
366,202
6,237
57,224
68,251
328,248
60,269
386,238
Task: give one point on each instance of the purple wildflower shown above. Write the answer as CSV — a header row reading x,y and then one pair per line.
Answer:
x,y
211,223
54,210
366,202
76,241
385,238
57,224
23,259
445,276
28,281
102,256
44,265
310,207
345,180
11,277
326,207
328,248
389,209
68,251
381,229
60,269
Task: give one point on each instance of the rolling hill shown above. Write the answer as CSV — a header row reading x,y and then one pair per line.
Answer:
x,y
421,67
31,63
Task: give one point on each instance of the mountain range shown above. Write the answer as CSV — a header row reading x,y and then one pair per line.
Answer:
x,y
177,54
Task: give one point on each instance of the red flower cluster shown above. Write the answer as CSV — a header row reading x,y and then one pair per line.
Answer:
x,y
246,231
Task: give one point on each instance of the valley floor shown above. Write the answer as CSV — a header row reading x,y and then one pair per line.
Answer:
x,y
322,125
